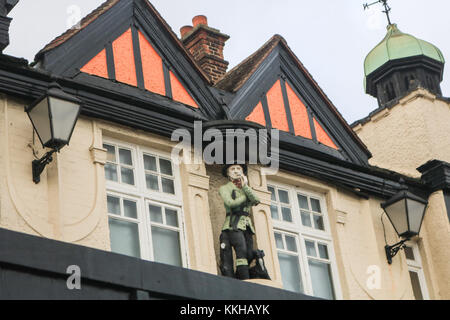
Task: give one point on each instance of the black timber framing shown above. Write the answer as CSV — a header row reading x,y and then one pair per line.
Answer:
x,y
110,61
137,58
287,105
67,59
138,109
319,107
102,98
36,268
278,64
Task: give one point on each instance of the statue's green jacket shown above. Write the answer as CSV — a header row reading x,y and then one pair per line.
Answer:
x,y
244,200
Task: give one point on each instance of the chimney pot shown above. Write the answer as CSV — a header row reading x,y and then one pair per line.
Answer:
x,y
200,19
206,45
185,30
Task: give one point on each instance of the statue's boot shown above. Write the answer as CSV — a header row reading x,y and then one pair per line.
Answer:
x,y
242,273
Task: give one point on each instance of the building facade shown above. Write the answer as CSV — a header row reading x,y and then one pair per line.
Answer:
x,y
115,199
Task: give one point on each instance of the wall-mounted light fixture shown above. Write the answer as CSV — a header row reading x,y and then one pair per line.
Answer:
x,y
406,212
53,117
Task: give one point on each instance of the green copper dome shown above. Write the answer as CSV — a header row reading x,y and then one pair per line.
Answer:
x,y
398,45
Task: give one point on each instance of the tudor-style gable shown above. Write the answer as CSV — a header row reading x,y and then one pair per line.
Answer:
x,y
127,41
273,89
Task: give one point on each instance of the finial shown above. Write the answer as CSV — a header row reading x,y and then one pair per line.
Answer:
x,y
387,9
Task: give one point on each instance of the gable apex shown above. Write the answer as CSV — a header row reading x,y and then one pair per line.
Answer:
x,y
300,108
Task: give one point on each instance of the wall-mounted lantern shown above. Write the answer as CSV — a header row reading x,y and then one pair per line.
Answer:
x,y
406,212
53,117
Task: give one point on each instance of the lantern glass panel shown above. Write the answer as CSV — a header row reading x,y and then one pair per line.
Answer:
x,y
415,214
41,121
397,215
64,116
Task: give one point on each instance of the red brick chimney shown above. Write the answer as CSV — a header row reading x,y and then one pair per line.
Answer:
x,y
206,46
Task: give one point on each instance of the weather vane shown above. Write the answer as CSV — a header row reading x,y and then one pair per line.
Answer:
x,y
387,9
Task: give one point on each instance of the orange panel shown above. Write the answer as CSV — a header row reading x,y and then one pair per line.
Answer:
x,y
179,93
152,67
299,114
276,108
322,136
124,59
257,115
97,66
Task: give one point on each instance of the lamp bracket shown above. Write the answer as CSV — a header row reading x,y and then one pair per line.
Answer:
x,y
39,165
391,251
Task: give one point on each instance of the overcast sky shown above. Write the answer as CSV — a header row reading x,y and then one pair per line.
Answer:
x,y
330,37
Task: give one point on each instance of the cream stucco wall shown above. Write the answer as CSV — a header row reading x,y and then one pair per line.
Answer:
x,y
403,138
409,134
69,204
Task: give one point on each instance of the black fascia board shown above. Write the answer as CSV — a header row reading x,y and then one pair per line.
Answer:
x,y
380,183
50,259
160,115
103,99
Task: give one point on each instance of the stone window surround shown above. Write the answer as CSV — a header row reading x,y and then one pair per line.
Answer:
x,y
324,194
417,266
145,197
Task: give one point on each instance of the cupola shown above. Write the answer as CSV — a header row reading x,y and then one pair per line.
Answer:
x,y
400,63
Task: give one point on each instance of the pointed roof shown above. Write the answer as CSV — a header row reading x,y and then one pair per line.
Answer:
x,y
398,45
102,9
236,77
239,75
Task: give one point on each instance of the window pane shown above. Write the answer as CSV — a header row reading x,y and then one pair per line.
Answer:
x,y
315,205
286,212
155,214
127,176
283,195
416,285
125,157
129,209
272,193
321,279
274,212
290,272
318,222
171,217
168,186
124,237
409,252
113,205
291,244
306,219
165,166
111,153
111,172
310,249
166,246
303,202
279,241
152,182
323,251
149,163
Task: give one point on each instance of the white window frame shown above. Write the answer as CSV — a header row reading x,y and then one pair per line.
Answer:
x,y
144,197
303,233
416,266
